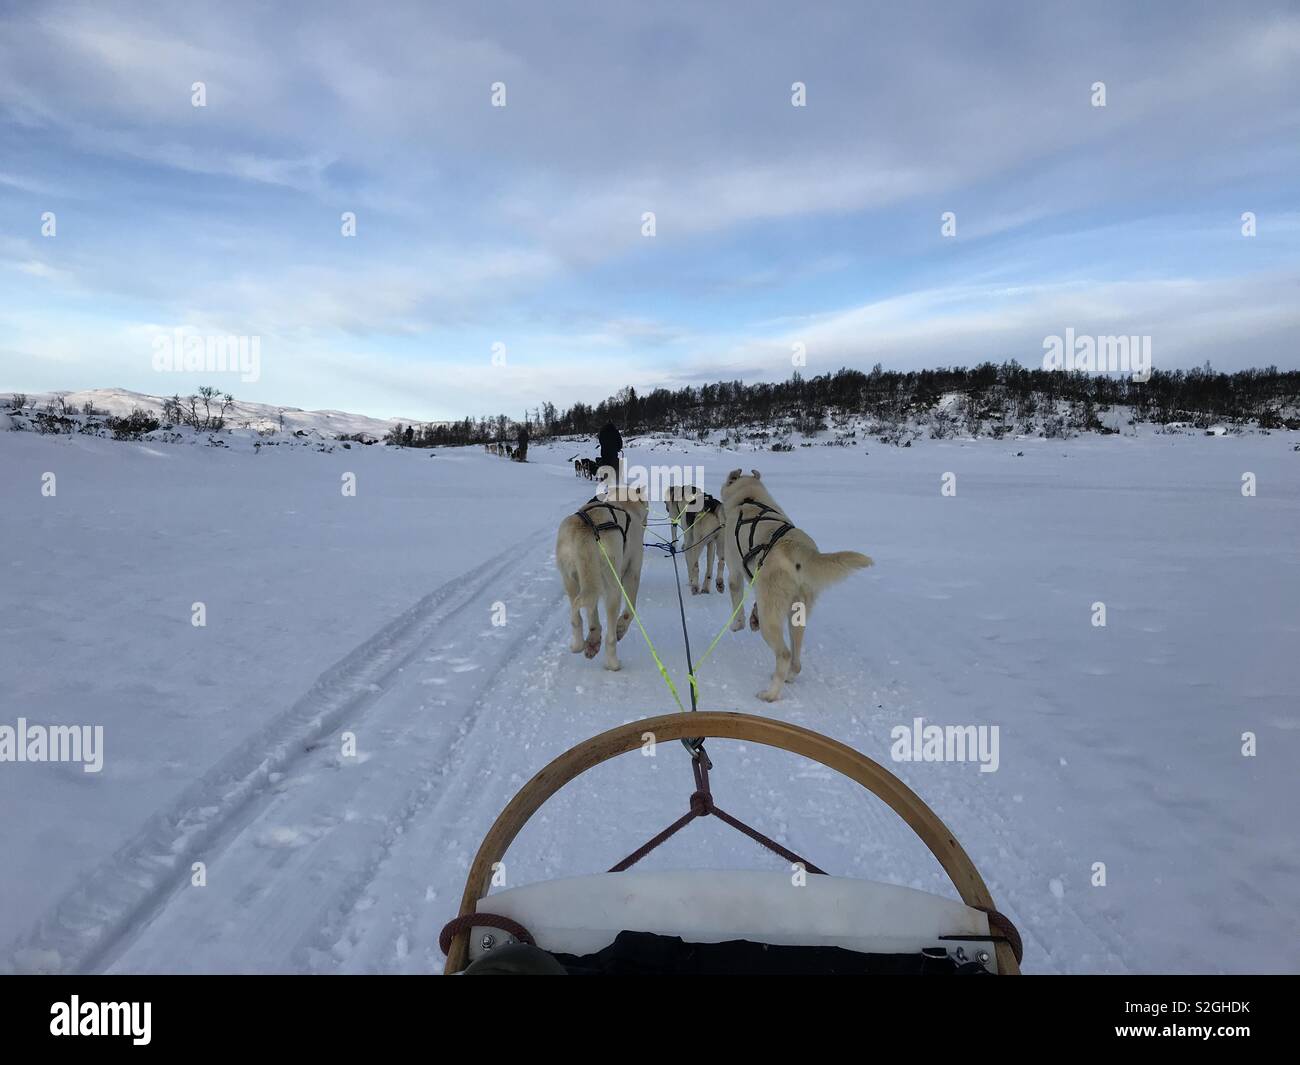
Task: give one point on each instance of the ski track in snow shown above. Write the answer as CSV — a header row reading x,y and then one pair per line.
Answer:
x,y
90,925
325,863
410,751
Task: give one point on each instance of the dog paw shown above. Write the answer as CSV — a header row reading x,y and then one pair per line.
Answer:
x,y
738,624
705,589
769,696
592,648
719,584
613,666
576,646
695,590
753,620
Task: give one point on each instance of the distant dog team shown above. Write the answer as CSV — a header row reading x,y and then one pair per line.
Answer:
x,y
751,537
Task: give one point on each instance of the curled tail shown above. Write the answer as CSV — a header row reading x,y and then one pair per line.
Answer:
x,y
826,569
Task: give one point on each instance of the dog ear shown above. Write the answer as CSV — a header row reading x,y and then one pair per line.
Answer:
x,y
733,475
757,476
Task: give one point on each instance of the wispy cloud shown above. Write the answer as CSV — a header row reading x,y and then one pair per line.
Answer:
x,y
523,225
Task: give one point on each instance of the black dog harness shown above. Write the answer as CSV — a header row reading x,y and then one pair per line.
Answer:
x,y
595,503
709,506
759,551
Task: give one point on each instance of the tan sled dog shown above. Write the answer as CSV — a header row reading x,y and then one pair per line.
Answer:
x,y
616,522
760,538
700,518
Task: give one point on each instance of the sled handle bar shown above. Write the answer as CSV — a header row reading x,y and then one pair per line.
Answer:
x,y
710,724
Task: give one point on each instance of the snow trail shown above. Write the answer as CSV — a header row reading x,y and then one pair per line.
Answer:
x,y
87,926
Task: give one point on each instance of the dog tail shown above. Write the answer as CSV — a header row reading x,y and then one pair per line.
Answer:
x,y
826,569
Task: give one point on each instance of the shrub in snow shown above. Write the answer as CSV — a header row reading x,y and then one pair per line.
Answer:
x,y
942,425
1055,427
50,422
134,425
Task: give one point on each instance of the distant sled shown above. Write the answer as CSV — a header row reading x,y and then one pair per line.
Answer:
x,y
703,921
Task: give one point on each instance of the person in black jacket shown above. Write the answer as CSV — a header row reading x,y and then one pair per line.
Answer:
x,y
521,453
611,443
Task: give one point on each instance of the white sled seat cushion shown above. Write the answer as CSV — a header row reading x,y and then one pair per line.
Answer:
x,y
581,915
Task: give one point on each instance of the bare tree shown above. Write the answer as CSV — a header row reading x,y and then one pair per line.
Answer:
x,y
208,421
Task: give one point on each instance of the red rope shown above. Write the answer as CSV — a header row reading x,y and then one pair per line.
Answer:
x,y
456,925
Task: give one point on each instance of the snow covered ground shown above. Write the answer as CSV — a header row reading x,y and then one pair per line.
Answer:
x,y
372,615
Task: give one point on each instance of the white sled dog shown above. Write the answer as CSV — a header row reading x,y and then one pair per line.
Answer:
x,y
700,517
760,538
616,521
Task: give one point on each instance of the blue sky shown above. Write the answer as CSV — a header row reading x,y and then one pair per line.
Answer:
x,y
776,225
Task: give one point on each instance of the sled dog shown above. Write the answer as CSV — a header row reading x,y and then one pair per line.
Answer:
x,y
759,538
615,521
700,517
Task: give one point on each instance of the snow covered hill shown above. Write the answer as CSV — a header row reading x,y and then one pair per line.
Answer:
x,y
372,615
242,415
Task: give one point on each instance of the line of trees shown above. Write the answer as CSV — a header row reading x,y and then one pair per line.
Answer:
x,y
1008,393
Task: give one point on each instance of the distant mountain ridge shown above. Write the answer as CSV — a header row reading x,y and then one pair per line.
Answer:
x,y
242,414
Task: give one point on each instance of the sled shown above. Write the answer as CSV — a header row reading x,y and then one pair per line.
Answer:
x,y
726,921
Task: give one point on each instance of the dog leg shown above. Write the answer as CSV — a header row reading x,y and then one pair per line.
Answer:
x,y
772,628
753,618
632,582
624,622
708,568
693,569
592,606
617,626
575,615
737,590
796,644
722,564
